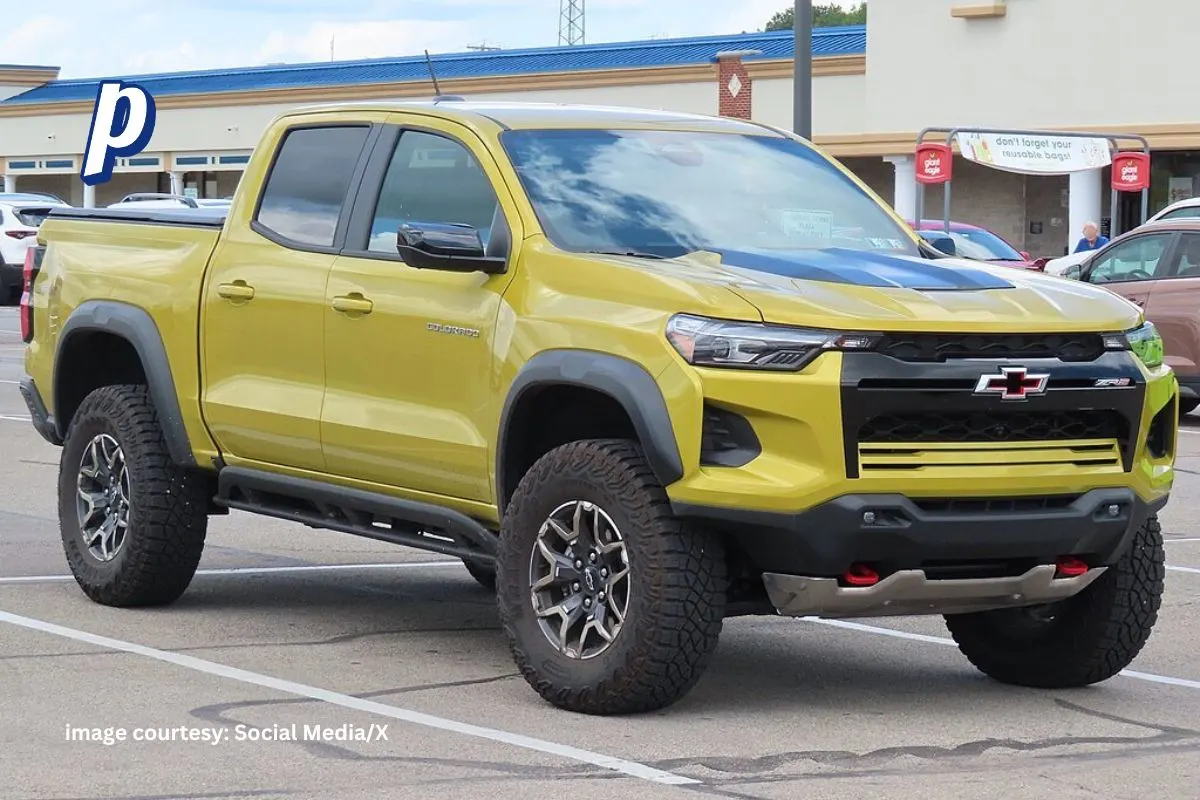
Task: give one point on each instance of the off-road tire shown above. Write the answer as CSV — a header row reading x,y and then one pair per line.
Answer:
x,y
484,575
168,506
1093,635
676,594
1187,405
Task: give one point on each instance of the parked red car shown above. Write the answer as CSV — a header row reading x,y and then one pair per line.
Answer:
x,y
976,243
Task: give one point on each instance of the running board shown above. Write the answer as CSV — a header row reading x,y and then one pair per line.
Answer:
x,y
374,516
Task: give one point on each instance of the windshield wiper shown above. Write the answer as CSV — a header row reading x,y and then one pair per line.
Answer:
x,y
630,253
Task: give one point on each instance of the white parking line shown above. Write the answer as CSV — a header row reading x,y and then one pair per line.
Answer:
x,y
1193,570
631,768
1176,541
258,570
920,637
13,383
13,418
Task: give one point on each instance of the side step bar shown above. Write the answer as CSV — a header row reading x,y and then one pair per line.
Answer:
x,y
375,516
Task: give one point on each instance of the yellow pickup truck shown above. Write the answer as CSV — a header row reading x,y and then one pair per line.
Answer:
x,y
641,371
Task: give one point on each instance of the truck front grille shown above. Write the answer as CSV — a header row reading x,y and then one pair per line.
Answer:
x,y
931,417
994,426
938,347
962,459
963,441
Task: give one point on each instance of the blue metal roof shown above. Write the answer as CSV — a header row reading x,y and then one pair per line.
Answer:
x,y
845,40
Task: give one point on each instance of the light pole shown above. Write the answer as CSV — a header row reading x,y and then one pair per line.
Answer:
x,y
802,81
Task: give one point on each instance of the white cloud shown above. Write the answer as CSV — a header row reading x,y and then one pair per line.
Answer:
x,y
370,39
91,38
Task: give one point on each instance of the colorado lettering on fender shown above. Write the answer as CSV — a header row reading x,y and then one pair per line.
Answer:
x,y
122,124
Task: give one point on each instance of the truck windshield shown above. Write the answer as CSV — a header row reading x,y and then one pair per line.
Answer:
x,y
667,193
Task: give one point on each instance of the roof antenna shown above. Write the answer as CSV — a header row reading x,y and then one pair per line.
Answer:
x,y
437,89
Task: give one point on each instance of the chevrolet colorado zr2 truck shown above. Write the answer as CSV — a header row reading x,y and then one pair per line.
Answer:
x,y
642,372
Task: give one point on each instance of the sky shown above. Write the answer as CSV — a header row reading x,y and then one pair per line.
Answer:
x,y
100,38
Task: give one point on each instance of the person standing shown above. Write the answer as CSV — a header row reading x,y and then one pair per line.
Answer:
x,y
1092,240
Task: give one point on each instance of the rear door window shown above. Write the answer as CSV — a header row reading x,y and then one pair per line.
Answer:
x,y
33,217
306,190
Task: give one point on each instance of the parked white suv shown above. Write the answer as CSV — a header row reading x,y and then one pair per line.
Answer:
x,y
1179,209
20,217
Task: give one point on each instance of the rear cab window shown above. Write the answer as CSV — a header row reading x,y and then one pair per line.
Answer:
x,y
303,199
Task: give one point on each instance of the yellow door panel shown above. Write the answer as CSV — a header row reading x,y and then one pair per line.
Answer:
x,y
263,345
264,355
410,365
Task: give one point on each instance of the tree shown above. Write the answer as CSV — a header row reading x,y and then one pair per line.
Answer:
x,y
827,15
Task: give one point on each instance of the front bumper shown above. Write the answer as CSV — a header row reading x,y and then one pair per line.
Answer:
x,y
932,556
43,423
892,533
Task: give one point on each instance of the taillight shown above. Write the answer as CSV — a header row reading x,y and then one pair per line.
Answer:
x,y
20,234
33,264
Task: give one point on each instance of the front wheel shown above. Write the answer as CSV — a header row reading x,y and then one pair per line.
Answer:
x,y
610,604
1083,640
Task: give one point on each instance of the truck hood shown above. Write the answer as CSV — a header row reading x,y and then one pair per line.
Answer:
x,y
856,290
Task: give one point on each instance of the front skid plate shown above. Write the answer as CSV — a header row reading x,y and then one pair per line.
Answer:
x,y
910,592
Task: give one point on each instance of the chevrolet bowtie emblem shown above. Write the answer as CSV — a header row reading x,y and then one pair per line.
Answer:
x,y
1013,383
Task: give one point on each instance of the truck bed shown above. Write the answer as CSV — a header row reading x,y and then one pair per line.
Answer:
x,y
190,217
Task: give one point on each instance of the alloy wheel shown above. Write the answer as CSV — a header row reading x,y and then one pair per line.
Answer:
x,y
102,497
579,579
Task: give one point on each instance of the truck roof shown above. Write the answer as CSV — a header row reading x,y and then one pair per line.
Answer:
x,y
518,115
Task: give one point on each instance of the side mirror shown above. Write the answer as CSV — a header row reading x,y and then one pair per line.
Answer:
x,y
945,244
1039,264
1073,272
454,248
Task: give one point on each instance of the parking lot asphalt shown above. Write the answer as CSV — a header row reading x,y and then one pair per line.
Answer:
x,y
289,629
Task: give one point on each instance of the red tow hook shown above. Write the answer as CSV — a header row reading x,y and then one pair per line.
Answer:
x,y
1070,567
860,575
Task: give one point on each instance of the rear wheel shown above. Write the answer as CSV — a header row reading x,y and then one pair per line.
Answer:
x,y
1079,641
1188,404
610,604
133,523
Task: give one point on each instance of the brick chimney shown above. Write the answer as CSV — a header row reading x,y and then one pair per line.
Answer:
x,y
734,84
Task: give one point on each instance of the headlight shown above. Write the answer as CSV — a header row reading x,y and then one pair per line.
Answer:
x,y
748,345
1144,341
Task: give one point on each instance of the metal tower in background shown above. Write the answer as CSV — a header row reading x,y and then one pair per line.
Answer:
x,y
570,22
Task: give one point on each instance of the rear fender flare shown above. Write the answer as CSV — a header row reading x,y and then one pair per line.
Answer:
x,y
137,327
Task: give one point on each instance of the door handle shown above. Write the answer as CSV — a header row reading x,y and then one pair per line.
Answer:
x,y
352,304
238,290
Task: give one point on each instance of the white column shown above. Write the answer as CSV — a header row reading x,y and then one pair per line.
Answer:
x,y
89,196
1086,197
905,192
176,183
10,183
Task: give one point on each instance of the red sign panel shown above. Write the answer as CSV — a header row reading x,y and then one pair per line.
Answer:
x,y
935,163
1131,172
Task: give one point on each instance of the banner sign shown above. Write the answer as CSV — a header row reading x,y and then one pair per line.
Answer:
x,y
934,163
1035,154
1131,172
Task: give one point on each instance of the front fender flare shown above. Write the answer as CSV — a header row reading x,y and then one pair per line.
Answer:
x,y
137,327
623,380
